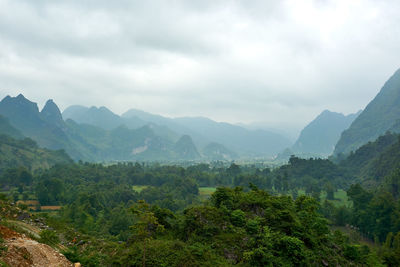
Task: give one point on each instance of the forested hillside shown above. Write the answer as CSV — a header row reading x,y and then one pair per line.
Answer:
x,y
25,153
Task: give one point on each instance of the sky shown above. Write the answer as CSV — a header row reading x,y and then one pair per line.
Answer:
x,y
272,63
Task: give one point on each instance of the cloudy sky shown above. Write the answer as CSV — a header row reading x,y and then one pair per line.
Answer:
x,y
278,62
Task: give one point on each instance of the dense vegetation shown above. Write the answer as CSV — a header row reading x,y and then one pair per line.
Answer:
x,y
128,214
25,153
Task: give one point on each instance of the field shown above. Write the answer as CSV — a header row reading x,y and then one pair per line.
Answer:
x,y
206,192
139,188
340,196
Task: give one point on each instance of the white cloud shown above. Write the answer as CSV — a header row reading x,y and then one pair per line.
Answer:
x,y
281,62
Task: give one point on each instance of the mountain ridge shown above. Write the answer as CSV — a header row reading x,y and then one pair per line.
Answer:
x,y
379,116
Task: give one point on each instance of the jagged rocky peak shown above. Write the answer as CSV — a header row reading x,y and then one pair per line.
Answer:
x,y
51,113
21,102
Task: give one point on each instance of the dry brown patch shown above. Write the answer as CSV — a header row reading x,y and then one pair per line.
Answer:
x,y
23,251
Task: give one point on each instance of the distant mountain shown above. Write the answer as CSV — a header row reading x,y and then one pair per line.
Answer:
x,y
106,119
170,123
97,134
241,140
83,141
22,113
380,115
44,128
101,117
217,151
7,129
185,148
319,137
51,114
25,152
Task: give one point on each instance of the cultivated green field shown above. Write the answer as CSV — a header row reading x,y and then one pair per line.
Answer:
x,y
139,188
341,198
206,192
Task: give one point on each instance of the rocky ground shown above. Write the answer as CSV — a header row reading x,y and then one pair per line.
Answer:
x,y
23,251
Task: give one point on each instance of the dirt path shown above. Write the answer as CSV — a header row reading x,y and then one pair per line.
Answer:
x,y
23,251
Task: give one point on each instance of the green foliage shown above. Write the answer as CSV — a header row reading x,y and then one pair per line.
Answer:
x,y
25,154
49,237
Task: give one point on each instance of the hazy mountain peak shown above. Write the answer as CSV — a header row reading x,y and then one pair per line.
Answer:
x,y
51,113
378,117
186,149
216,151
23,104
97,116
20,96
319,137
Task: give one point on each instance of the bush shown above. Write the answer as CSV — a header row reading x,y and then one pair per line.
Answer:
x,y
49,237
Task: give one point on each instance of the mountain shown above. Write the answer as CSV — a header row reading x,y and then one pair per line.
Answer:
x,y
185,148
380,115
319,137
22,113
373,161
101,117
25,152
7,129
51,114
165,122
203,131
97,134
106,119
236,138
43,127
121,143
217,151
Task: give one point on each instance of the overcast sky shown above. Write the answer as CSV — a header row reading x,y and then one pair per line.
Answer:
x,y
279,62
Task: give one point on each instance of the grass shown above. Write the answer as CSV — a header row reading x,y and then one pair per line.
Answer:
x,y
206,191
340,198
139,188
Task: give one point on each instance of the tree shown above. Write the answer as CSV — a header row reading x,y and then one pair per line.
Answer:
x,y
329,191
146,225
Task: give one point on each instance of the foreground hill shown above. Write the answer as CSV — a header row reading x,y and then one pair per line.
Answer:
x,y
380,115
372,162
319,137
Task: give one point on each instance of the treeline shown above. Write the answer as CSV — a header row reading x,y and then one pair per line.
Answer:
x,y
255,217
233,228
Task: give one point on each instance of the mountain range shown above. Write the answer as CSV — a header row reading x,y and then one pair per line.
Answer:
x,y
98,134
203,131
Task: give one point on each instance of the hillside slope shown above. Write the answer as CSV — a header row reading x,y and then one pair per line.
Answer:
x,y
319,137
26,153
380,115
